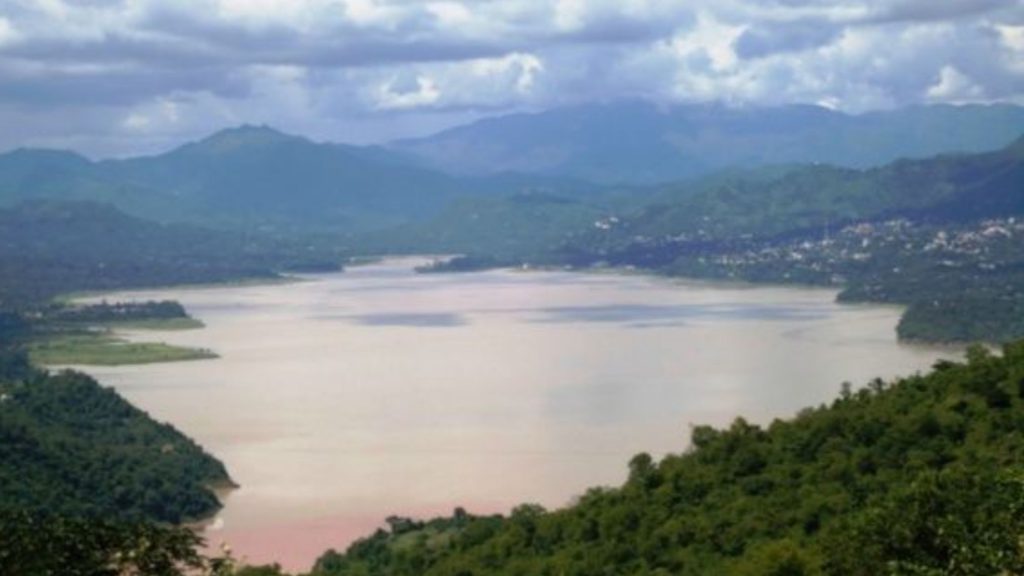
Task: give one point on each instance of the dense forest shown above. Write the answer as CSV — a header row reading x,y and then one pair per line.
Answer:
x,y
89,484
71,447
106,312
49,248
922,475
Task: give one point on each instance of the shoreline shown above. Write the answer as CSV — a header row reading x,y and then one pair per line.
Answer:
x,y
221,490
740,284
108,351
80,296
111,343
227,524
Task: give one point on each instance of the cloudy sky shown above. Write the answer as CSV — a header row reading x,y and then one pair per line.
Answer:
x,y
122,77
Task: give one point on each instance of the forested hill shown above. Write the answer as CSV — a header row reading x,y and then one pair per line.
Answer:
x,y
942,235
242,177
807,198
730,207
254,177
53,247
72,448
922,475
255,173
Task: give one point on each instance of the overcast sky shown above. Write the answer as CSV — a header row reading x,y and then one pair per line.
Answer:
x,y
123,77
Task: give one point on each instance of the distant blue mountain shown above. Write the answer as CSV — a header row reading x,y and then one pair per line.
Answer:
x,y
255,175
639,142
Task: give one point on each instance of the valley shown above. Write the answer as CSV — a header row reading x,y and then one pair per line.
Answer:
x,y
588,319
491,388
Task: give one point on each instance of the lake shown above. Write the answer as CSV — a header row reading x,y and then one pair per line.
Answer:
x,y
345,398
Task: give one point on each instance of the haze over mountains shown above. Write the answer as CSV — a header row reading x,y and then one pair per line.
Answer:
x,y
638,142
258,176
241,175
655,225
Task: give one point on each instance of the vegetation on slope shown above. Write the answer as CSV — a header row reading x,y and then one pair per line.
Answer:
x,y
71,447
923,475
505,228
257,179
941,235
39,543
960,282
808,200
51,248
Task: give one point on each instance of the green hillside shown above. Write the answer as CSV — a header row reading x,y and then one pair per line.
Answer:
x,y
809,198
507,228
71,447
55,247
254,178
941,235
923,475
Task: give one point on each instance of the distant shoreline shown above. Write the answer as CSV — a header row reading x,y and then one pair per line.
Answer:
x,y
87,295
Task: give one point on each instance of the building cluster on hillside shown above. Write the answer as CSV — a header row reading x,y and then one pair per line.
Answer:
x,y
984,245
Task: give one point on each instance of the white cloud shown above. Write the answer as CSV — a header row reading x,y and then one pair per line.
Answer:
x,y
450,14
8,35
375,69
954,86
157,116
712,38
389,97
569,14
522,68
373,13
1012,37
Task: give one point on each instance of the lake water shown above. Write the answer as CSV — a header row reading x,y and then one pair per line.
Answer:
x,y
349,397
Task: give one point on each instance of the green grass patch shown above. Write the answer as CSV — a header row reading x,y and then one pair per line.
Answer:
x,y
102,349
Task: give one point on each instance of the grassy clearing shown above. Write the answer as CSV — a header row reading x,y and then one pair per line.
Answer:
x,y
101,349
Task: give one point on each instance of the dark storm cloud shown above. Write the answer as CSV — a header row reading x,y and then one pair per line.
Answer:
x,y
932,10
157,71
618,30
177,48
118,48
192,44
765,39
114,88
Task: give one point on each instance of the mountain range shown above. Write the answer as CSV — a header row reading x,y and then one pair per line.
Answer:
x,y
643,143
255,177
250,175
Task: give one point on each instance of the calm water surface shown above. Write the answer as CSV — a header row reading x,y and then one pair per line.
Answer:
x,y
349,397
